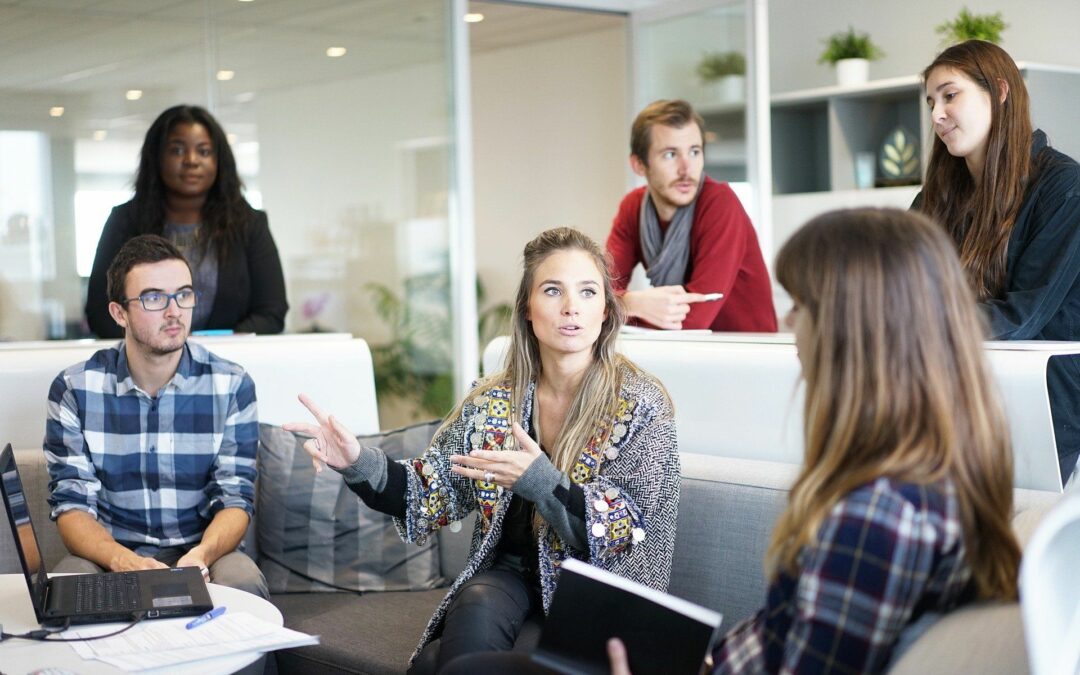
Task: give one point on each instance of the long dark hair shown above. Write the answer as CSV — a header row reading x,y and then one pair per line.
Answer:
x,y
896,383
224,215
980,217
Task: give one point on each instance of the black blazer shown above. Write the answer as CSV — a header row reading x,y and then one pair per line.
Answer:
x,y
250,295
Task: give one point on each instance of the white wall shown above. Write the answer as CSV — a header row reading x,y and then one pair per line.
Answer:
x,y
550,142
1047,31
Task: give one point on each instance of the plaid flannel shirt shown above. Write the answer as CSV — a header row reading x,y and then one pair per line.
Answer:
x,y
887,553
153,471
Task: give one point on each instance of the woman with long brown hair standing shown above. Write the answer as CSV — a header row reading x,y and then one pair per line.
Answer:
x,y
1012,206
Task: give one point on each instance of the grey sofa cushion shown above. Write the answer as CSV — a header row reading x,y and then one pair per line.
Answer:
x,y
984,638
370,633
314,534
726,514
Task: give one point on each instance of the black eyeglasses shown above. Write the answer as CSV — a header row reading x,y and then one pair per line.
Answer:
x,y
157,301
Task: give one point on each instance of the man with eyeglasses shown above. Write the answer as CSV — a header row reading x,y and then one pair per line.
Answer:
x,y
151,444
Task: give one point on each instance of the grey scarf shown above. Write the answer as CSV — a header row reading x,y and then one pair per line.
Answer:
x,y
666,254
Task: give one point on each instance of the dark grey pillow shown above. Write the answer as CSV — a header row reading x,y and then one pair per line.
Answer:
x,y
315,534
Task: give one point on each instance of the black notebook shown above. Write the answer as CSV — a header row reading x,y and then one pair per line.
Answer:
x,y
662,633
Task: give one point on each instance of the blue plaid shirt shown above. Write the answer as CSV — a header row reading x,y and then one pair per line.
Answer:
x,y
153,471
887,553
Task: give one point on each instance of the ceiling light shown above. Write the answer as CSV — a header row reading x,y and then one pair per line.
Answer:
x,y
245,97
231,138
56,111
100,135
133,94
335,52
474,17
226,75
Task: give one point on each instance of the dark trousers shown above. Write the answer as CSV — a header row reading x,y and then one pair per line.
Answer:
x,y
495,611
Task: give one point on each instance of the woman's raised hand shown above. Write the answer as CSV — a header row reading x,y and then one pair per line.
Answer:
x,y
500,467
330,443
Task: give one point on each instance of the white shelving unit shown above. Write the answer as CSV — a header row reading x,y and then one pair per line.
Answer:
x,y
816,134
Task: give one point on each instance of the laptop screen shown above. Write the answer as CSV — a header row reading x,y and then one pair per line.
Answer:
x,y
22,529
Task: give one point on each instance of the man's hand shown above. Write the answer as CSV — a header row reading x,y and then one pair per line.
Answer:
x,y
129,561
616,653
663,306
195,558
501,467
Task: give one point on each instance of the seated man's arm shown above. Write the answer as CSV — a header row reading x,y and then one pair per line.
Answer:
x,y
231,491
222,536
85,537
74,487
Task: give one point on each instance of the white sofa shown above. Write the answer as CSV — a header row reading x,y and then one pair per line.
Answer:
x,y
728,504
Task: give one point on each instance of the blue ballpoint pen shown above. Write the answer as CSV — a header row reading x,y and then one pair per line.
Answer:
x,y
212,614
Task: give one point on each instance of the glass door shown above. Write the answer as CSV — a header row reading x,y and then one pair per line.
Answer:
x,y
712,53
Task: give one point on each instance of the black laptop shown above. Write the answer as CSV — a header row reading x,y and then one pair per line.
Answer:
x,y
94,598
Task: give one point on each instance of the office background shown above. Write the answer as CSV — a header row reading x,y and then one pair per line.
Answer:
x,y
353,155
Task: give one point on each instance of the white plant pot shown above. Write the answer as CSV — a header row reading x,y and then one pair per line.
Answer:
x,y
850,72
729,89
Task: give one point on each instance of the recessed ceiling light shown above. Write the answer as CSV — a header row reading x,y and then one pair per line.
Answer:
x,y
474,17
231,138
245,97
226,75
335,52
133,94
100,135
247,0
56,111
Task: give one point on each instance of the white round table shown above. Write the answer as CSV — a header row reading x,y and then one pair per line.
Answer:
x,y
25,656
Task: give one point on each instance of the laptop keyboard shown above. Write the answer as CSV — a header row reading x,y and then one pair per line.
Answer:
x,y
107,592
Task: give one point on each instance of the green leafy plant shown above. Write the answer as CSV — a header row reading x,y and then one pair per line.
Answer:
x,y
849,45
416,365
715,65
968,26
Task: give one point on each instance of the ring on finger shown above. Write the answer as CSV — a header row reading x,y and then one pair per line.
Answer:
x,y
488,476
318,443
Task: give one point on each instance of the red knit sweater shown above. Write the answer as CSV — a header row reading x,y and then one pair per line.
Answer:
x,y
724,257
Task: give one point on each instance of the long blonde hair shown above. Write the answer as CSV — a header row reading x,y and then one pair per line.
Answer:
x,y
896,382
599,391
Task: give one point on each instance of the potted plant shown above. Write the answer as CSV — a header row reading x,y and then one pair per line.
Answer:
x,y
725,73
968,26
850,53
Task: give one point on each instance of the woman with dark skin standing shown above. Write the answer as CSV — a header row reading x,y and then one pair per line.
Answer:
x,y
1011,203
187,189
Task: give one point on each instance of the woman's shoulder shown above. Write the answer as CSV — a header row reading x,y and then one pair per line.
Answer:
x,y
891,501
1057,172
642,388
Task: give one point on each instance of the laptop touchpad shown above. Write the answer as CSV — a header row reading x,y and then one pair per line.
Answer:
x,y
170,595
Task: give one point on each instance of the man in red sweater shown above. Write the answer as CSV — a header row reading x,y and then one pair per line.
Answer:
x,y
690,232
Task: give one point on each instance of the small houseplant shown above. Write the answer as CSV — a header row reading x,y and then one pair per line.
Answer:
x,y
725,73
850,53
968,26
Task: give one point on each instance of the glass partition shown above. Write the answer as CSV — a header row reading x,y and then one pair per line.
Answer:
x,y
339,114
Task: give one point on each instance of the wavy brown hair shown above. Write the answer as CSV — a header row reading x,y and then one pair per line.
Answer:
x,y
980,214
599,391
896,383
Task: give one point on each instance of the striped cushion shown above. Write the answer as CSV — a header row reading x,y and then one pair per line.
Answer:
x,y
314,533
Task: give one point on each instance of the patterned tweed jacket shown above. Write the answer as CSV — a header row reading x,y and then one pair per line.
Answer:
x,y
629,472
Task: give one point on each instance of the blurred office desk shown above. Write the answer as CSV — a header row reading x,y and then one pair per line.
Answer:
x,y
25,656
740,395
